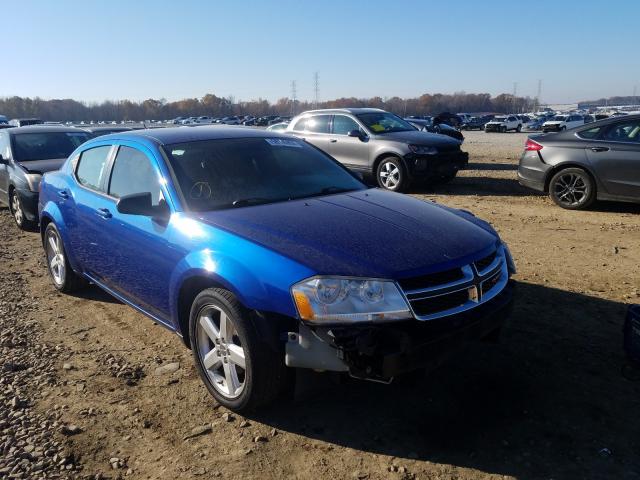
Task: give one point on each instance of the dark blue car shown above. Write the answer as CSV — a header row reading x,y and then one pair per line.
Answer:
x,y
262,253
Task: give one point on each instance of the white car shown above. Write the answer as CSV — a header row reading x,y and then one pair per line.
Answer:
x,y
560,123
503,123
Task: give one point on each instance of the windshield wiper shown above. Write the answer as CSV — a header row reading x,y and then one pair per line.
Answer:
x,y
243,202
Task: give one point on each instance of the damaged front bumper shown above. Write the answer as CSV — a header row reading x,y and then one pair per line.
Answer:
x,y
382,351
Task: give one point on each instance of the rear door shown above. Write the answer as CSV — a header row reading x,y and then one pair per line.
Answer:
x,y
616,158
350,151
314,129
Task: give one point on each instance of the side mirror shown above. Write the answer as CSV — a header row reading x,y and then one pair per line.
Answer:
x,y
3,161
357,134
140,204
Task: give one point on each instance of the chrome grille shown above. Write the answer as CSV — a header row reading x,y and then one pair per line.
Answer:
x,y
453,291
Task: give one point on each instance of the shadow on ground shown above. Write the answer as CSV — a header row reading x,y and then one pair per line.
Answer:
x,y
478,186
541,405
493,166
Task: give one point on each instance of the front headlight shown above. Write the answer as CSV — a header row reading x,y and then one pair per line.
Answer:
x,y
423,150
326,300
33,180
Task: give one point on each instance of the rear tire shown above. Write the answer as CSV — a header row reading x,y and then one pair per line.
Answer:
x,y
391,175
62,275
573,189
238,367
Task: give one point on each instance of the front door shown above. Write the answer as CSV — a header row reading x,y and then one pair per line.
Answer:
x,y
352,152
616,158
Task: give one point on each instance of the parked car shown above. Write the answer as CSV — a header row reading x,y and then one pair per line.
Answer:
x,y
99,131
278,127
379,143
535,124
23,122
448,118
25,154
442,129
503,123
476,123
562,122
263,254
599,160
264,121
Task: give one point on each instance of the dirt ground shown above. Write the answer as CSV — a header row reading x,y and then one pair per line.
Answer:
x,y
550,402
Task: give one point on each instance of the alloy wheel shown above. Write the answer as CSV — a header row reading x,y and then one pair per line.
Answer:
x,y
55,258
390,175
220,351
16,207
571,189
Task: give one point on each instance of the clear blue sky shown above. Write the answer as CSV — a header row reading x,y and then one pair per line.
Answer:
x,y
138,49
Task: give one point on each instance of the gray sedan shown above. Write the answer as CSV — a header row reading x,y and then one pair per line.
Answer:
x,y
600,160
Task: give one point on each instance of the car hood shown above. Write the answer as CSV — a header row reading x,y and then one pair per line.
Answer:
x,y
42,166
368,233
554,122
420,138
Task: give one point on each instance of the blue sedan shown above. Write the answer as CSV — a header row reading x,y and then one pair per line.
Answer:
x,y
265,254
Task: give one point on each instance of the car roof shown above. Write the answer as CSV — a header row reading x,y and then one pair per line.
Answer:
x,y
43,129
113,128
353,111
166,136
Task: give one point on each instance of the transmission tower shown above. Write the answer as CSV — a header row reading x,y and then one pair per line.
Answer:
x,y
316,89
294,97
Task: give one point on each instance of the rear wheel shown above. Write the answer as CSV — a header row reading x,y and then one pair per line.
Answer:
x,y
238,367
391,175
61,273
572,188
17,210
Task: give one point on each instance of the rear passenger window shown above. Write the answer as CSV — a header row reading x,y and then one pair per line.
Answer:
x,y
315,124
133,173
624,132
91,166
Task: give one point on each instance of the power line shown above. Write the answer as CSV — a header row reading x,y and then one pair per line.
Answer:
x,y
316,89
294,97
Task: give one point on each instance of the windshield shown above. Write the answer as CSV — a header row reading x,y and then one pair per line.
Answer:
x,y
559,118
46,145
384,122
499,119
238,172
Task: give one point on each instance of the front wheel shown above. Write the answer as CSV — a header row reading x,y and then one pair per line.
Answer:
x,y
17,210
391,175
572,188
238,367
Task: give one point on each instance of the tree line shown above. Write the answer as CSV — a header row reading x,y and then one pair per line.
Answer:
x,y
211,105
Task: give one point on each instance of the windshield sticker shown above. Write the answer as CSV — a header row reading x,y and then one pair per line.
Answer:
x,y
283,142
377,127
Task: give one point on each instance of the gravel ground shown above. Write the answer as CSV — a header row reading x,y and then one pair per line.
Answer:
x,y
92,389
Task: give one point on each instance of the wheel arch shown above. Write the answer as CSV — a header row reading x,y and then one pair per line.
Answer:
x,y
386,154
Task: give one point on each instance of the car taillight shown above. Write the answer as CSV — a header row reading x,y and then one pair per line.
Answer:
x,y
532,146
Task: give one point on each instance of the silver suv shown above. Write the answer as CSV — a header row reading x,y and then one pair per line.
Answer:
x,y
379,143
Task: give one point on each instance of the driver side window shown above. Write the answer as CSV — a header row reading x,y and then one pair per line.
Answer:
x,y
133,173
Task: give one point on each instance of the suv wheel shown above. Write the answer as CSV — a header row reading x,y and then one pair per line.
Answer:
x,y
572,188
239,369
61,273
18,212
391,174
519,128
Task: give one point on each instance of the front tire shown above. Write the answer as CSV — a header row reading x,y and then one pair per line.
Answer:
x,y
573,189
391,175
15,205
60,271
237,365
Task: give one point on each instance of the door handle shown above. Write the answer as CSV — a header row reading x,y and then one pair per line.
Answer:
x,y
104,212
63,194
333,140
600,149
